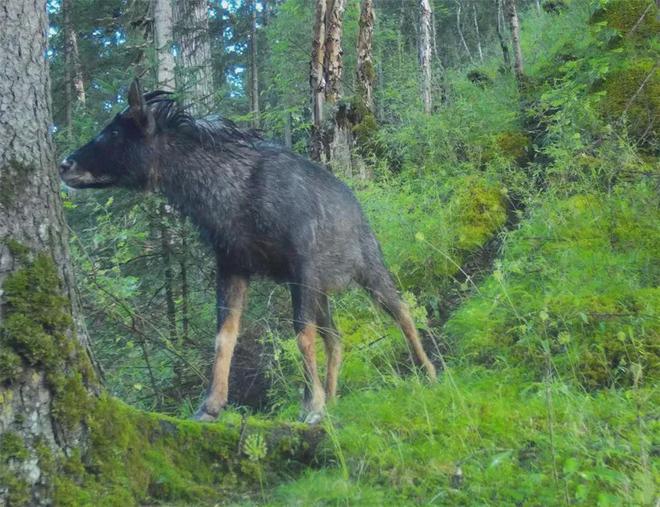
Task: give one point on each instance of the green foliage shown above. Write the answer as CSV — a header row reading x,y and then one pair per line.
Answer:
x,y
590,310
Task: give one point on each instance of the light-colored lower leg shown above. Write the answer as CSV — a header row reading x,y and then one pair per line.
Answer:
x,y
333,352
314,404
410,331
225,343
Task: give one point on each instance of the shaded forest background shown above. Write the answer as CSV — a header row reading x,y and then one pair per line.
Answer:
x,y
505,154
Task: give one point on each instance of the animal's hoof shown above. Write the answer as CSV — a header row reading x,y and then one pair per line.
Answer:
x,y
314,417
203,416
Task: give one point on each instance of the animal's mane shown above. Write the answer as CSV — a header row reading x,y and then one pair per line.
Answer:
x,y
214,130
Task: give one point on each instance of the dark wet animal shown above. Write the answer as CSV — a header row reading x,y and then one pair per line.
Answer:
x,y
264,210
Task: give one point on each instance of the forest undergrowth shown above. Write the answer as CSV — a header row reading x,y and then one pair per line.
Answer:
x,y
521,223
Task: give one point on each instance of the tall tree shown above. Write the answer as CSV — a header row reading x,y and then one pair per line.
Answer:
x,y
317,79
366,74
500,36
163,38
192,30
425,54
42,354
73,78
254,72
514,23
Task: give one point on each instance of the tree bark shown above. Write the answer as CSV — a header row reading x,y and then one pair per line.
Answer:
x,y
196,79
74,84
333,50
366,74
460,29
38,310
254,75
514,24
425,54
500,36
163,38
478,35
317,80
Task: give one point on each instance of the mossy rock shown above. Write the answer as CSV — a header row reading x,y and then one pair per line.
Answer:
x,y
481,211
633,91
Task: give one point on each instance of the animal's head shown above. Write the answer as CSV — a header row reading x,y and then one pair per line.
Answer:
x,y
122,154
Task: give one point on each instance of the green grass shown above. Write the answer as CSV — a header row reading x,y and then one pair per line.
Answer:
x,y
482,437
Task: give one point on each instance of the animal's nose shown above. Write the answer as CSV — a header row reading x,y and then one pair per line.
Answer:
x,y
67,165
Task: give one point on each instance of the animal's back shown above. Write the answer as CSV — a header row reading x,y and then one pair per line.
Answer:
x,y
309,213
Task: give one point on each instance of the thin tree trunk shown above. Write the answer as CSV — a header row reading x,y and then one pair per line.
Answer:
x,y
460,29
317,80
163,38
73,78
366,74
166,246
538,7
185,288
37,302
425,54
254,76
192,29
514,23
476,29
500,36
288,138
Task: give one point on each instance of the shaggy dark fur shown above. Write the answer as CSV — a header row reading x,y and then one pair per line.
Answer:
x,y
263,209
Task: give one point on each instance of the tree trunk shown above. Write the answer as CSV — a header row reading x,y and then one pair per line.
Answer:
x,y
333,50
366,74
500,36
73,79
163,38
317,80
425,54
514,23
254,76
460,29
192,29
476,29
288,138
42,355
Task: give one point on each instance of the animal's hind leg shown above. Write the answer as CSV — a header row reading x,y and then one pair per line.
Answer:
x,y
380,286
231,296
332,342
304,324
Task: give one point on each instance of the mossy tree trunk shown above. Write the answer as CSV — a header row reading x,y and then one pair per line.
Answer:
x,y
42,356
61,442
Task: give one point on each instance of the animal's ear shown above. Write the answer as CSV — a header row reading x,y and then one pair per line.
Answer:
x,y
138,109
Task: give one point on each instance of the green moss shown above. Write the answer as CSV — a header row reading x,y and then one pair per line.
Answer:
x,y
480,210
13,450
633,91
38,328
513,145
624,15
10,364
12,447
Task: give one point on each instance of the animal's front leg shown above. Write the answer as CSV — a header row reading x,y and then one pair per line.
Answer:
x,y
231,297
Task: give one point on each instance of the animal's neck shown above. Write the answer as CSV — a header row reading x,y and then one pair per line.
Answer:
x,y
205,184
